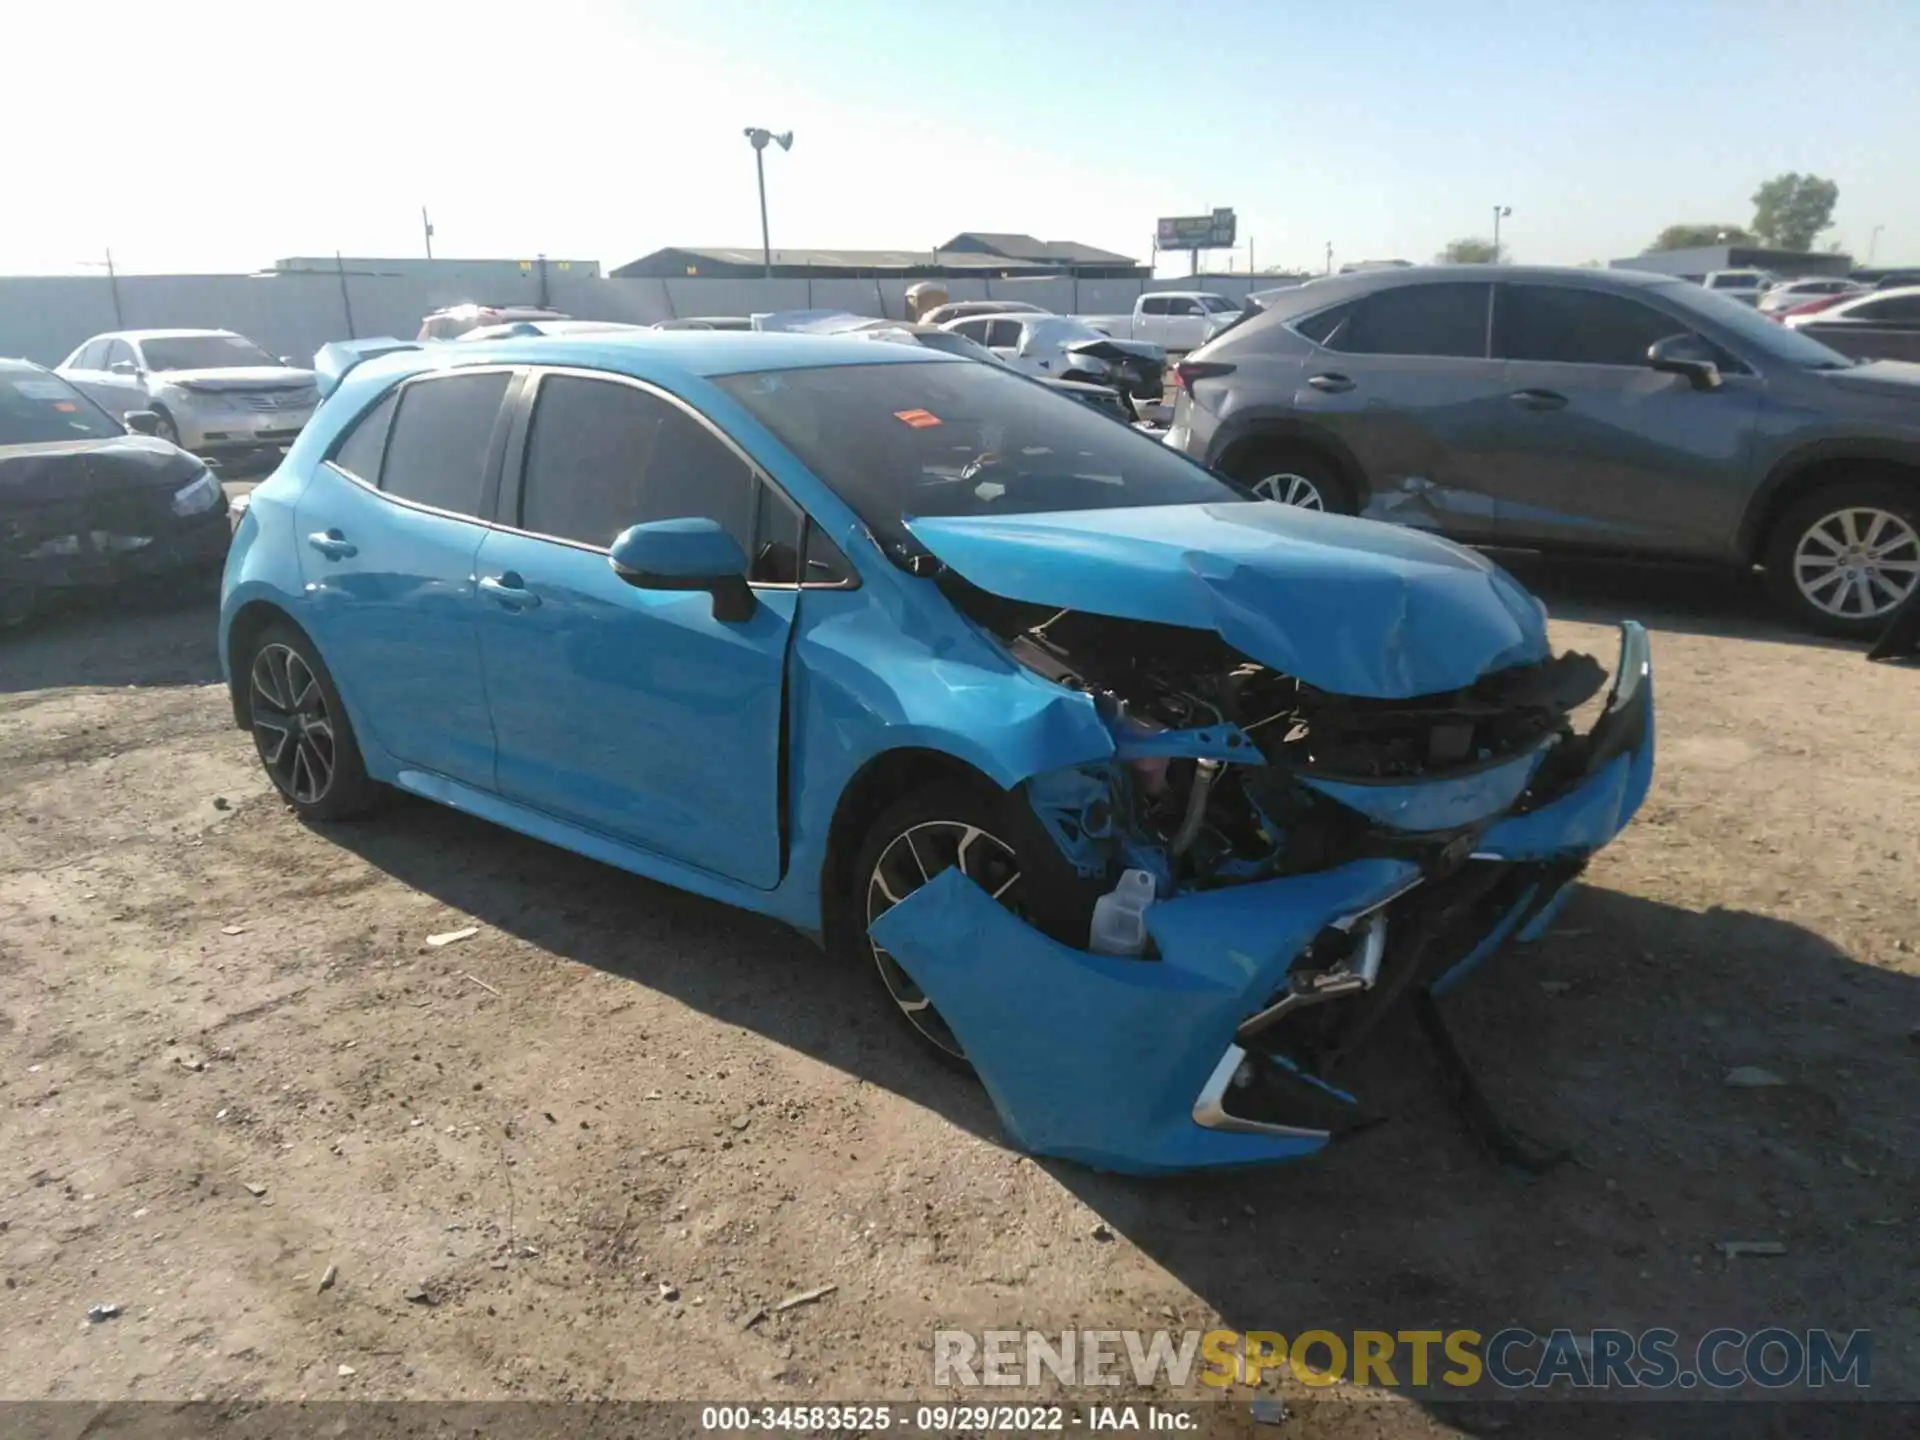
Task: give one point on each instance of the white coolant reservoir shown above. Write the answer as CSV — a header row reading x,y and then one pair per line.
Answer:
x,y
1120,916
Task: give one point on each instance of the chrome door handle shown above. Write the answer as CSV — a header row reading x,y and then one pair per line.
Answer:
x,y
1331,384
509,590
1539,399
333,545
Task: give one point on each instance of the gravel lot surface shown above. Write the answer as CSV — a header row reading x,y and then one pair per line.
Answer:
x,y
577,1153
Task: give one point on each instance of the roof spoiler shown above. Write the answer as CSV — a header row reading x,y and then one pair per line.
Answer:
x,y
332,362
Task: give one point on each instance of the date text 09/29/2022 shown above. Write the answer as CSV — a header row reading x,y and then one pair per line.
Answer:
x,y
942,1419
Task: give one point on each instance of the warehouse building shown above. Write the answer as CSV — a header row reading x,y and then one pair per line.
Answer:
x,y
970,255
1695,264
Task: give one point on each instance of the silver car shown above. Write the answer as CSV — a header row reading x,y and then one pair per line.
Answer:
x,y
213,392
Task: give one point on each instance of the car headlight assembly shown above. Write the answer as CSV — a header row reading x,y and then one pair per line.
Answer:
x,y
198,495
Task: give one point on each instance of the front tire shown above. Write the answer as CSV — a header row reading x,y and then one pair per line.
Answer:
x,y
995,844
1842,559
301,731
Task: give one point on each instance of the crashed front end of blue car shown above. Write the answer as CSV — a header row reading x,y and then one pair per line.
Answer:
x,y
1318,858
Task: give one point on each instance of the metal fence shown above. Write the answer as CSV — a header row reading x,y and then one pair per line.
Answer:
x,y
45,318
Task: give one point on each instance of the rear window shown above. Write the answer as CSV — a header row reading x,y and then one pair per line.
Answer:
x,y
437,453
40,409
1447,319
944,438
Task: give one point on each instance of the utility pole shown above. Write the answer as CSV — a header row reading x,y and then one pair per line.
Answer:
x,y
1499,213
758,137
1329,257
427,226
113,284
1873,242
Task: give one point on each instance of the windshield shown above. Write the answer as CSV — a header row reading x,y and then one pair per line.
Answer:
x,y
1748,325
903,440
203,352
37,409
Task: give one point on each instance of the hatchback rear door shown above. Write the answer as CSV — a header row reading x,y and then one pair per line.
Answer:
x,y
387,532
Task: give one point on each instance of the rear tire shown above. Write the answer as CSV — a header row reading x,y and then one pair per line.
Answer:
x,y
998,843
1292,475
1842,559
301,731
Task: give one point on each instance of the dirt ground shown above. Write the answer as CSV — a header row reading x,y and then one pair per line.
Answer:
x,y
572,1155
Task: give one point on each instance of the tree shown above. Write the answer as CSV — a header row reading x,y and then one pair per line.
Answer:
x,y
1694,236
1790,209
1471,250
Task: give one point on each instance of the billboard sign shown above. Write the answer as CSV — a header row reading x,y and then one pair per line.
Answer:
x,y
1198,232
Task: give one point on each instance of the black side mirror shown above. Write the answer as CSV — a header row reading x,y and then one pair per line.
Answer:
x,y
142,422
1686,355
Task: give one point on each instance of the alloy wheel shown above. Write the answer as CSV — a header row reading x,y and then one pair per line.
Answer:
x,y
910,860
291,725
1857,563
1290,489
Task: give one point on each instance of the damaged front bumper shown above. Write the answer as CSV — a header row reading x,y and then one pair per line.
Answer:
x,y
1219,1050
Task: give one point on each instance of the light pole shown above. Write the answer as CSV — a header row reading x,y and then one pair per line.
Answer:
x,y
1873,242
1500,212
758,138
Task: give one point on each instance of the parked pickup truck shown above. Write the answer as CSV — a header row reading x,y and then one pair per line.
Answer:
x,y
1175,320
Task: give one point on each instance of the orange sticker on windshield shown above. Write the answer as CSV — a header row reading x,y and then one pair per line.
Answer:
x,y
65,407
918,419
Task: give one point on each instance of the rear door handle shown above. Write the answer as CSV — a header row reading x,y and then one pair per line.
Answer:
x,y
510,590
333,545
1331,384
1539,399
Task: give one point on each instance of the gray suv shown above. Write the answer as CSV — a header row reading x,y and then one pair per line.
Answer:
x,y
1591,409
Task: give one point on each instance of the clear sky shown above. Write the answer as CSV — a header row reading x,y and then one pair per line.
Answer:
x,y
203,135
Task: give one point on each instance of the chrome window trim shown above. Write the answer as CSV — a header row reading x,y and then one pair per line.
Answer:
x,y
538,374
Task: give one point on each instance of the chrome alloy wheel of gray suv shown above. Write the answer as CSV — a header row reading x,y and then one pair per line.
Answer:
x,y
1606,411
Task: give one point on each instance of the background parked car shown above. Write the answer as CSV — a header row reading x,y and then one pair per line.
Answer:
x,y
707,322
548,327
1791,293
1104,398
455,320
1746,285
1603,410
1068,349
1875,325
216,393
960,309
83,502
1175,320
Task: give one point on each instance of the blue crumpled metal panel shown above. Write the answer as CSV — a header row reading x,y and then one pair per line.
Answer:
x,y
1099,1059
1446,803
1347,605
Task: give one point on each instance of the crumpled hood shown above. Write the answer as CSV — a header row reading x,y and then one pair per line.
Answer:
x,y
238,377
1349,606
65,470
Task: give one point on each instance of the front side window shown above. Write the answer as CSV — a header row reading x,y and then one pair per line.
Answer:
x,y
1447,319
946,438
1218,304
1003,335
38,408
203,352
437,453
118,353
1558,324
1185,305
603,455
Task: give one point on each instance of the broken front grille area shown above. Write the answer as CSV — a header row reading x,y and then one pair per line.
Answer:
x,y
1281,1073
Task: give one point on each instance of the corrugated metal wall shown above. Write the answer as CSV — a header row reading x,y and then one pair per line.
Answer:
x,y
45,318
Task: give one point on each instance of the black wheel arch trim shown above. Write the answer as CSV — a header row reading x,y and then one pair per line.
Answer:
x,y
1779,489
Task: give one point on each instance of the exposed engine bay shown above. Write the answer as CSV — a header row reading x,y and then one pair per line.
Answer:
x,y
1228,771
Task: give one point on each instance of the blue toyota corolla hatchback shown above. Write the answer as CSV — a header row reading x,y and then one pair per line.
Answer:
x,y
1144,801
